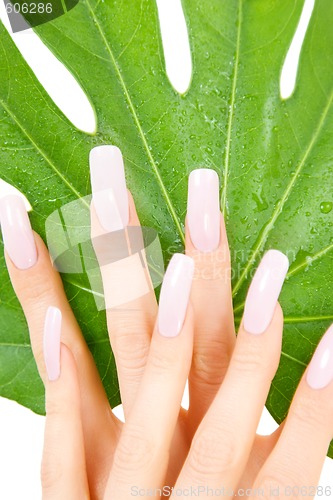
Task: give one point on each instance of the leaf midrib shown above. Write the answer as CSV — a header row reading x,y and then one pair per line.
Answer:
x,y
138,124
231,113
312,259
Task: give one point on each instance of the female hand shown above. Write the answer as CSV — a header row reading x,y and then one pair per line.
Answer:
x,y
88,453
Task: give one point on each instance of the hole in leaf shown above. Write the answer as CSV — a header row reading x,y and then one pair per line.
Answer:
x,y
290,65
58,82
7,189
118,411
176,44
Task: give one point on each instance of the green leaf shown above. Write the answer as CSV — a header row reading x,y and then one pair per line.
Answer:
x,y
274,157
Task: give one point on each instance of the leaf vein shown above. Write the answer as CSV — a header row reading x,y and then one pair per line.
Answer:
x,y
40,151
231,112
139,126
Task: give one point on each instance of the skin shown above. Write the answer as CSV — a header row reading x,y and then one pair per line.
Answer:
x,y
89,453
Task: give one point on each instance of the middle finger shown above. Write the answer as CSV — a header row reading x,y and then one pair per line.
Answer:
x,y
214,335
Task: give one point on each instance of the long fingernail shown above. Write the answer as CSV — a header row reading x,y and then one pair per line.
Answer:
x,y
109,187
52,331
16,230
203,209
320,371
264,291
175,294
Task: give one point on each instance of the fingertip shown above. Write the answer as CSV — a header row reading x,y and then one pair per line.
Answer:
x,y
175,295
264,291
274,326
38,286
43,263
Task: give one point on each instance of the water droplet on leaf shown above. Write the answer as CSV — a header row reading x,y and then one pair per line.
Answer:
x,y
326,207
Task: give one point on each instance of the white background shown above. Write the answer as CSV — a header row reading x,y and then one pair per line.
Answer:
x,y
21,431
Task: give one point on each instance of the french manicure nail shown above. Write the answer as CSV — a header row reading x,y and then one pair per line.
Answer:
x,y
16,230
320,371
203,209
264,291
175,294
51,342
109,187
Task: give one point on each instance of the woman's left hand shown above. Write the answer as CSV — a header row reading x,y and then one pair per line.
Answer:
x,y
228,385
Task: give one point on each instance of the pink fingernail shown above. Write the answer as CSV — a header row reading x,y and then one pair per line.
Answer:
x,y
175,294
16,230
320,371
203,209
109,187
51,342
264,291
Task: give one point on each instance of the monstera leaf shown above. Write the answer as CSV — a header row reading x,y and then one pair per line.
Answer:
x,y
274,156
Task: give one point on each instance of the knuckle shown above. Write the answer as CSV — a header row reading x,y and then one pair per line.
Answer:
x,y
51,474
124,320
57,407
310,412
213,455
135,451
267,485
131,350
251,360
37,289
164,359
209,364
279,485
247,362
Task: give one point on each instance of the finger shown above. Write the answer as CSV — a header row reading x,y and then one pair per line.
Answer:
x,y
63,466
142,455
37,285
214,334
119,246
295,465
221,446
